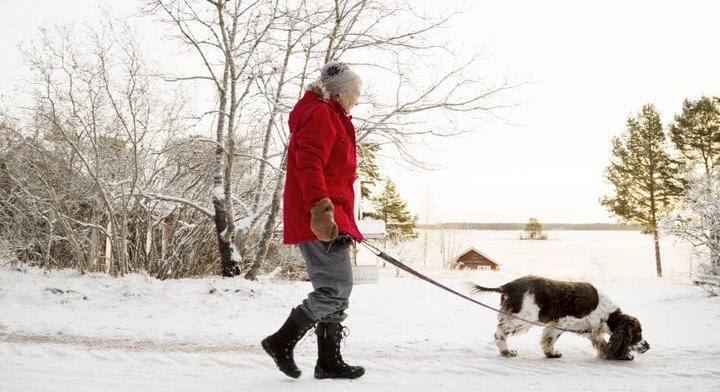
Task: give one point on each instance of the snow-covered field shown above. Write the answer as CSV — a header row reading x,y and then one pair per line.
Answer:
x,y
62,331
589,255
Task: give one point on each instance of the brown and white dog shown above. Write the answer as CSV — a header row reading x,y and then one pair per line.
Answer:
x,y
569,305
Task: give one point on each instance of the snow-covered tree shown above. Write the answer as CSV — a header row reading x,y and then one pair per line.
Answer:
x,y
697,221
696,136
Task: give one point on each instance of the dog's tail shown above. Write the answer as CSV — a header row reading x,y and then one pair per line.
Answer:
x,y
475,288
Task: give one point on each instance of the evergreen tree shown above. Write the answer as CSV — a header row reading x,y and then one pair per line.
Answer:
x,y
696,134
645,179
368,170
390,208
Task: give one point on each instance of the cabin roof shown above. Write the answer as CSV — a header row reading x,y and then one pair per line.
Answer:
x,y
473,249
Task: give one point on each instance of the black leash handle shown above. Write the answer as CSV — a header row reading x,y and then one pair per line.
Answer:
x,y
379,253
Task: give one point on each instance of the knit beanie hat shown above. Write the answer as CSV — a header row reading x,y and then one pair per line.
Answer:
x,y
337,78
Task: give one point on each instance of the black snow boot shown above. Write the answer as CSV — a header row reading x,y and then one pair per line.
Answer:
x,y
280,345
330,363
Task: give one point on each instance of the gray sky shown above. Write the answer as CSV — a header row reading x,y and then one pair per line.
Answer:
x,y
591,64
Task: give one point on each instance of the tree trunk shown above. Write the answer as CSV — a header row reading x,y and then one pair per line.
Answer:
x,y
122,247
656,240
271,122
228,266
226,263
93,252
714,233
148,246
269,228
654,225
230,258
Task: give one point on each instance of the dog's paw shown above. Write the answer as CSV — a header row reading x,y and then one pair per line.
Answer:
x,y
553,354
629,357
509,353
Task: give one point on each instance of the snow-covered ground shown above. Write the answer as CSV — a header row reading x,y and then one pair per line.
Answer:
x,y
61,331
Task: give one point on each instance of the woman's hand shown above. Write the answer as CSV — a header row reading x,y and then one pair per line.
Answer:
x,y
322,220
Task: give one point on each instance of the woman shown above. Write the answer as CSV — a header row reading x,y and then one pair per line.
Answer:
x,y
319,218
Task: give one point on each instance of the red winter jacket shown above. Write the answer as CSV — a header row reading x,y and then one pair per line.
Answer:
x,y
321,163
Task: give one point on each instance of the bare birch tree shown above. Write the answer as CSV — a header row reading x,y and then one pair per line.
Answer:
x,y
225,35
352,30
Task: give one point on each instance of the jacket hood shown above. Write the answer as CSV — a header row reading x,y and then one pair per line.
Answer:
x,y
305,103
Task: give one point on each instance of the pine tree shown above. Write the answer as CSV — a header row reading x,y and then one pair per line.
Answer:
x,y
390,208
368,170
646,180
696,133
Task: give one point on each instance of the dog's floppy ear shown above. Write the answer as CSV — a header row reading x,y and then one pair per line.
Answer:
x,y
618,347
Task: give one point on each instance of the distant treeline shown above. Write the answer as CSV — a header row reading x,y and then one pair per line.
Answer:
x,y
521,226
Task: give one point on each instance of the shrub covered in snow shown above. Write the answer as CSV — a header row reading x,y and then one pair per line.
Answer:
x,y
697,220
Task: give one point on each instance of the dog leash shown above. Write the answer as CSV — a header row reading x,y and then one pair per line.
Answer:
x,y
379,253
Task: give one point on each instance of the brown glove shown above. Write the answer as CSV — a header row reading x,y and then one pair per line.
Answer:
x,y
322,220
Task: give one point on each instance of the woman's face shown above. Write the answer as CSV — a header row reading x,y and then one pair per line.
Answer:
x,y
349,99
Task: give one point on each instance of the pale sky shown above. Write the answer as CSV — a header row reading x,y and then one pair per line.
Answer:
x,y
590,64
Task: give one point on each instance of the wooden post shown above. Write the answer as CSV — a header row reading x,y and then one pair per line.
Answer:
x,y
108,248
94,249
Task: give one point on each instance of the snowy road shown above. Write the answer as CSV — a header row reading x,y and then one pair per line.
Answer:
x,y
139,334
49,363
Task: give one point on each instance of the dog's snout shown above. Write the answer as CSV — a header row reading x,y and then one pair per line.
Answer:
x,y
642,347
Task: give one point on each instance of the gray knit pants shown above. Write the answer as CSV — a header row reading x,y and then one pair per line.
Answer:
x,y
330,270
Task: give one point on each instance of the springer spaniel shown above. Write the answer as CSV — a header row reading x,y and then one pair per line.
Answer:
x,y
573,306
